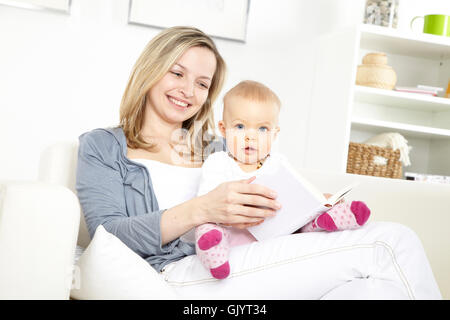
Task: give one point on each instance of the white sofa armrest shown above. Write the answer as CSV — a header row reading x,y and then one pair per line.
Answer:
x,y
38,232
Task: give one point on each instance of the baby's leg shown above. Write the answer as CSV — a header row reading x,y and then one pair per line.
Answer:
x,y
211,244
342,216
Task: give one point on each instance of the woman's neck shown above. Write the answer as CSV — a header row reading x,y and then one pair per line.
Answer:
x,y
156,128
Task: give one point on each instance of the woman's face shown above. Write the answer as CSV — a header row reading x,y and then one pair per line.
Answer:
x,y
184,88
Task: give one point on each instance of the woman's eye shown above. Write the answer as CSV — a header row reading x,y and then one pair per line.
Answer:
x,y
263,129
177,74
203,85
239,126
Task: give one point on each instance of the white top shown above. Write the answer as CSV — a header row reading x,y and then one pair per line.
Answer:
x,y
172,184
219,167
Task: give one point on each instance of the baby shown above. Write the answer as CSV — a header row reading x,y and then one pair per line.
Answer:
x,y
250,125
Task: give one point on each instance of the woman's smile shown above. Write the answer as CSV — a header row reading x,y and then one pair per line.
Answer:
x,y
179,104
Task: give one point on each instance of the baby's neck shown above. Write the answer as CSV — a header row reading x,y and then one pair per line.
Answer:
x,y
248,167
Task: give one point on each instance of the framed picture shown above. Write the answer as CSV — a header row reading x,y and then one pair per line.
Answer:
x,y
226,19
61,6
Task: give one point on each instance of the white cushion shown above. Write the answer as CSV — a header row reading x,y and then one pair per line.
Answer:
x,y
108,269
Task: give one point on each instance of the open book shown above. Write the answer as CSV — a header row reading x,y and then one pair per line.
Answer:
x,y
301,203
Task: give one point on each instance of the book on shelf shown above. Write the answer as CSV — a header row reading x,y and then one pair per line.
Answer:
x,y
427,177
423,87
300,200
420,89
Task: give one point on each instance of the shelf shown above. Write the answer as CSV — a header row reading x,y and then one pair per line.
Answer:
x,y
355,113
379,126
391,98
405,43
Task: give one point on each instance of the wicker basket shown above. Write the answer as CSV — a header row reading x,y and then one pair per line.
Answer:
x,y
367,160
376,76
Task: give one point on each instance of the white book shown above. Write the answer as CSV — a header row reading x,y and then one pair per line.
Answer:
x,y
301,203
416,90
436,89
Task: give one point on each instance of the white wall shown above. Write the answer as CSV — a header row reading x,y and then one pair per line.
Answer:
x,y
61,75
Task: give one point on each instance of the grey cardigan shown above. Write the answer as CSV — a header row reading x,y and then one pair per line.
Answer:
x,y
117,193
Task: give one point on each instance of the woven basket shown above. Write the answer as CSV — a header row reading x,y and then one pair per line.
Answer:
x,y
376,76
368,160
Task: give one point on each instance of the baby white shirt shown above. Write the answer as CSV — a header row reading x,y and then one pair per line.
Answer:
x,y
220,167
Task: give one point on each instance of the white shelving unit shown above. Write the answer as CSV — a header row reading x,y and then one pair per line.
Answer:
x,y
344,112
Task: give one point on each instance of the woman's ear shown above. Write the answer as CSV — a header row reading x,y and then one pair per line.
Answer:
x,y
222,128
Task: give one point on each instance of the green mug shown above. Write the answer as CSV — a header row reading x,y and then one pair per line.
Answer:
x,y
438,24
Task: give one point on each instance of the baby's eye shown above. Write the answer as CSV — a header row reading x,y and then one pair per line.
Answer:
x,y
263,129
239,126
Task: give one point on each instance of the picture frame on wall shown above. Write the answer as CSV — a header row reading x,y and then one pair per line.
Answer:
x,y
223,19
59,6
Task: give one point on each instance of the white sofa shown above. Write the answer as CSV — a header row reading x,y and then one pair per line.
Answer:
x,y
41,222
38,232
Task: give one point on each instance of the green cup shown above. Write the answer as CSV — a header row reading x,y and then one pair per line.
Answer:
x,y
438,24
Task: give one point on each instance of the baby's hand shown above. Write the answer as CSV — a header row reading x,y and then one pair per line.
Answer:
x,y
328,195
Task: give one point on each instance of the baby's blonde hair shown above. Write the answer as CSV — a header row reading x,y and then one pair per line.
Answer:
x,y
252,90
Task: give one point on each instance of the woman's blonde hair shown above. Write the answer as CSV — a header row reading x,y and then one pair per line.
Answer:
x,y
158,57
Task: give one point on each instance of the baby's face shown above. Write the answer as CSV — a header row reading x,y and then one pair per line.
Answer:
x,y
249,128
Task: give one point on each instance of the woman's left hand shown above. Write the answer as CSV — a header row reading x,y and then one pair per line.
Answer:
x,y
243,225
248,225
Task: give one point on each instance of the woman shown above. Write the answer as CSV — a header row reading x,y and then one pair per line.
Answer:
x,y
139,181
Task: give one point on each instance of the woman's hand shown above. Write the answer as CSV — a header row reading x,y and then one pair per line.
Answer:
x,y
243,225
238,203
